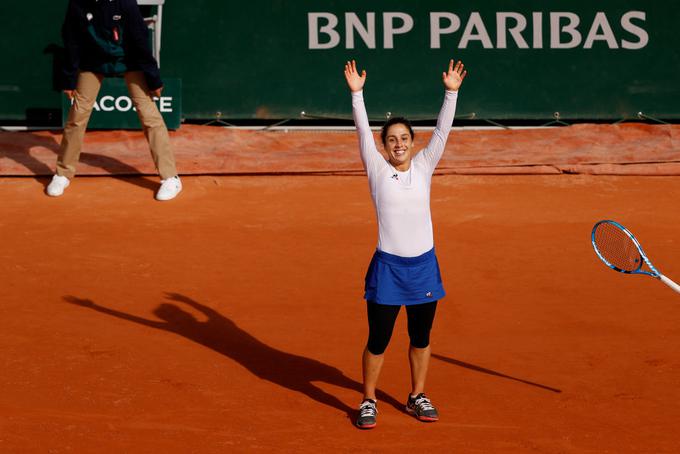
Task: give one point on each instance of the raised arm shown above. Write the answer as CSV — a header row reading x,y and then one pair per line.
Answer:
x,y
370,155
452,80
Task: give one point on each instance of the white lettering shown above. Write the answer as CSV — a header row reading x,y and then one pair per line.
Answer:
x,y
515,32
538,29
600,23
475,23
165,104
556,30
436,29
634,29
352,22
389,29
104,107
328,29
119,104
567,30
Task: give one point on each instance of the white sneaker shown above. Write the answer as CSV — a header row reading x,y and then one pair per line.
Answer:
x,y
169,189
57,185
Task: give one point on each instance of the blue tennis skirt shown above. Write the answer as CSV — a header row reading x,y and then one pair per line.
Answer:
x,y
398,281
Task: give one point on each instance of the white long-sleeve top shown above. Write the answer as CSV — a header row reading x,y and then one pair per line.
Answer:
x,y
402,199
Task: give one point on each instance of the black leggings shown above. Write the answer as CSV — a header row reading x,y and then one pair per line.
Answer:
x,y
381,318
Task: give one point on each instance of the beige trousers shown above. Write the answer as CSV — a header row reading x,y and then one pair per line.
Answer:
x,y
85,95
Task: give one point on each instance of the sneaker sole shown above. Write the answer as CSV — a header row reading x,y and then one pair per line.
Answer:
x,y
367,426
421,418
426,419
164,199
55,194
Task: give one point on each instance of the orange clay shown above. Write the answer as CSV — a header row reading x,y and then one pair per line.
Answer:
x,y
231,319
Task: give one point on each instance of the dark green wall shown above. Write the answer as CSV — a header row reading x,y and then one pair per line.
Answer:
x,y
251,60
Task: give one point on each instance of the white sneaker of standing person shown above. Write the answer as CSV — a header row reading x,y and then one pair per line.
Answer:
x,y
57,186
169,189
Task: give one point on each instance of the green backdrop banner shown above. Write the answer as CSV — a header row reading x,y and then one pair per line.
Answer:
x,y
275,59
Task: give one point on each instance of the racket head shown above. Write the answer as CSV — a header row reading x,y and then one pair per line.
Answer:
x,y
618,248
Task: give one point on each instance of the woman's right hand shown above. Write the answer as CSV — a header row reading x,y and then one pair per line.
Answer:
x,y
355,82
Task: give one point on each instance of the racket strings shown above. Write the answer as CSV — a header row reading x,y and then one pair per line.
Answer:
x,y
617,248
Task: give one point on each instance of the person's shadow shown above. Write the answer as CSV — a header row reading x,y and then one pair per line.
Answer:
x,y
16,146
222,335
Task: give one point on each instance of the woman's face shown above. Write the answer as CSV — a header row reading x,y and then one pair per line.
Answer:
x,y
398,145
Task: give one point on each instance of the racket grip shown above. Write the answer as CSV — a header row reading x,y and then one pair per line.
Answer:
x,y
669,283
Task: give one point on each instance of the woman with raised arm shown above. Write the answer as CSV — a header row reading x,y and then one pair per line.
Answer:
x,y
404,269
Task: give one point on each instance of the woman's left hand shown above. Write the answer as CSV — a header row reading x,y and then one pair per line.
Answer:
x,y
455,75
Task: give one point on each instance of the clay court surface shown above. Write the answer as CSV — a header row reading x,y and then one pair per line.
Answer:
x,y
231,319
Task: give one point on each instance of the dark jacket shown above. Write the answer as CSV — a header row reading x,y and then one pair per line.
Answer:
x,y
108,37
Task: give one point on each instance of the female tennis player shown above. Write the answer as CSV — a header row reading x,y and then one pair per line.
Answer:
x,y
404,269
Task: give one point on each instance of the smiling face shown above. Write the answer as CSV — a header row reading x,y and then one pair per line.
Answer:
x,y
398,145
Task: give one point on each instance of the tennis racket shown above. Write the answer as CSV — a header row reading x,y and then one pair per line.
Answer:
x,y
621,251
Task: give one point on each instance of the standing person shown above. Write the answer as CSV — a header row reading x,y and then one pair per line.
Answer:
x,y
404,269
109,38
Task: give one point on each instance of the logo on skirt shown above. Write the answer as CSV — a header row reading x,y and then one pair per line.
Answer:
x,y
428,294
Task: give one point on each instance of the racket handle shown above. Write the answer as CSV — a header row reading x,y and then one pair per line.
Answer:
x,y
669,283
